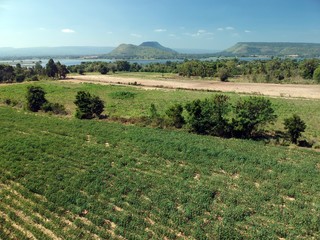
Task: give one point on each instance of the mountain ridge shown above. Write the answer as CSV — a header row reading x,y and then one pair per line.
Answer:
x,y
144,50
273,49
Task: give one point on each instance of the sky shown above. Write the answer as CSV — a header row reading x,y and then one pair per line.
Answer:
x,y
192,24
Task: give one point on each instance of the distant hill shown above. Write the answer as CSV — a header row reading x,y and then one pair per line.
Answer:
x,y
273,49
54,51
145,50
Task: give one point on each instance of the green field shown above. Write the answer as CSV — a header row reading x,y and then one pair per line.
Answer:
x,y
139,105
78,179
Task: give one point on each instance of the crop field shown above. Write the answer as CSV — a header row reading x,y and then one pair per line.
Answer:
x,y
62,178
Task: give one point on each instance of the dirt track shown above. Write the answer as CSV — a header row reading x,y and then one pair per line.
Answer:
x,y
276,90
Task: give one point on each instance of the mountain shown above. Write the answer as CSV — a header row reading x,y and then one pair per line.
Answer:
x,y
146,50
273,49
54,51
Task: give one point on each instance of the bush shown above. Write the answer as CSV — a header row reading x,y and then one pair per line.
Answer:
x,y
294,126
88,106
209,116
250,114
35,98
316,75
175,117
55,108
122,95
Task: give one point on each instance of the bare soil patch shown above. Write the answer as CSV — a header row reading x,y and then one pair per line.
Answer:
x,y
275,90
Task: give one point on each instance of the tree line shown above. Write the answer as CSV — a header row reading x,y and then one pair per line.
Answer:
x,y
215,116
273,70
9,74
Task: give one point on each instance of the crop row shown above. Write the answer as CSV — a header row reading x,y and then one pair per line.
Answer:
x,y
111,181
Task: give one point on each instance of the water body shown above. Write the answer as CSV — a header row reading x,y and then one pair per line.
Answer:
x,y
77,61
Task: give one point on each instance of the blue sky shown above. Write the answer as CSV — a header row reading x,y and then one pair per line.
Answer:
x,y
201,24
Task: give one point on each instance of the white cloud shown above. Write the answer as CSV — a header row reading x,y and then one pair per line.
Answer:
x,y
67,30
247,31
109,32
42,29
200,33
230,28
160,30
135,35
225,28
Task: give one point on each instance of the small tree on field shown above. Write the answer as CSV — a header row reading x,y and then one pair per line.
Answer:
x,y
35,98
250,114
88,106
294,126
103,69
51,69
174,114
209,116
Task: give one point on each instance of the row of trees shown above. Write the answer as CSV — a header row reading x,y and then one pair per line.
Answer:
x,y
18,73
215,116
274,70
245,119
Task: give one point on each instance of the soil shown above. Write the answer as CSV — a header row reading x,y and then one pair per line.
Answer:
x,y
275,90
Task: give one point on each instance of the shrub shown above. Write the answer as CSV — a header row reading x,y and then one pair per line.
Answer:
x,y
316,75
122,95
55,108
35,98
223,74
175,117
250,114
209,116
294,126
88,106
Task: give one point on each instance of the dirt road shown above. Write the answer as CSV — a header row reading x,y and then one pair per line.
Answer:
x,y
276,90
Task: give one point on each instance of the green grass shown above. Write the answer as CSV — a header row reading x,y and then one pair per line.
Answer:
x,y
139,105
79,178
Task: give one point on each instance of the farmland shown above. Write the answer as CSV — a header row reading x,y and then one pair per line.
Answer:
x,y
63,178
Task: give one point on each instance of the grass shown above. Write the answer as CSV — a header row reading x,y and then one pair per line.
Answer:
x,y
132,102
67,178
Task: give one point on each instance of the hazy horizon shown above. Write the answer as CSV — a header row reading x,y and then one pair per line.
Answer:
x,y
209,25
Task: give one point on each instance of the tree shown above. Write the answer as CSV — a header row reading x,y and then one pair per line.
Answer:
x,y
308,67
209,116
316,75
35,98
51,69
7,73
88,106
103,69
223,74
38,68
62,70
294,126
250,114
174,114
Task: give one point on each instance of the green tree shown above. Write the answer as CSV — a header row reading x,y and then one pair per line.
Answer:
x,y
103,69
307,68
209,116
294,126
316,75
35,98
250,114
51,69
62,70
223,74
7,73
88,106
38,68
175,117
